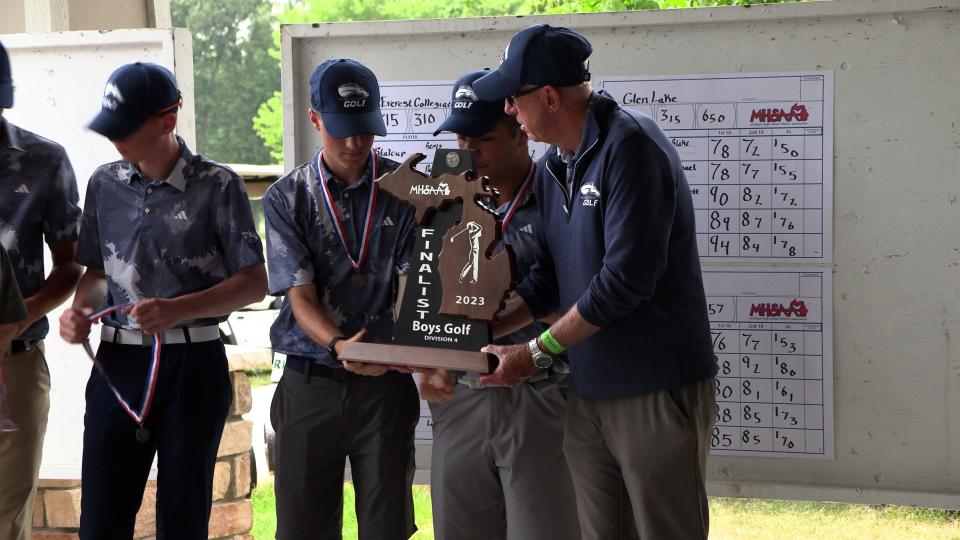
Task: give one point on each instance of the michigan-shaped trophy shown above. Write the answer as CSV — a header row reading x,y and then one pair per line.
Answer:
x,y
458,278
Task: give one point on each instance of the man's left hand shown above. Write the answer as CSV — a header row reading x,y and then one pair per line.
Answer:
x,y
154,315
516,365
366,368
21,326
7,333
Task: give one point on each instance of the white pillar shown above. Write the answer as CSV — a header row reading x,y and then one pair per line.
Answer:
x,y
46,15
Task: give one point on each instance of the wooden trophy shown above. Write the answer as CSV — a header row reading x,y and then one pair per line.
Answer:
x,y
457,282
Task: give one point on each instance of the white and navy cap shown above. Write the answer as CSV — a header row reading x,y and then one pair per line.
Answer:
x,y
469,115
347,96
134,93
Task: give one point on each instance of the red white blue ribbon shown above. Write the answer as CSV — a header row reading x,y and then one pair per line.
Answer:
x,y
518,199
150,388
335,214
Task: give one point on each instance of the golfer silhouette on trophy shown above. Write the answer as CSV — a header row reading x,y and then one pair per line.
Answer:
x,y
473,258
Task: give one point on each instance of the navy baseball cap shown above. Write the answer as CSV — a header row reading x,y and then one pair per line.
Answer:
x,y
133,93
347,96
6,80
469,115
540,55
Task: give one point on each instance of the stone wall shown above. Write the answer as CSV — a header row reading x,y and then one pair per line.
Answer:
x,y
56,515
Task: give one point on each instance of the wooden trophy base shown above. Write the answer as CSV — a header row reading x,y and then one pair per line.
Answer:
x,y
422,357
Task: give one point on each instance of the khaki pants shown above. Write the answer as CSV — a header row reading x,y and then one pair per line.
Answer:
x,y
28,395
498,471
638,463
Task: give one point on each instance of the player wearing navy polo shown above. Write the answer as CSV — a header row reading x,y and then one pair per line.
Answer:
x,y
498,470
619,255
38,204
336,245
169,236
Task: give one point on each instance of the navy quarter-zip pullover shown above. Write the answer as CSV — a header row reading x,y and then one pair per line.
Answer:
x,y
617,239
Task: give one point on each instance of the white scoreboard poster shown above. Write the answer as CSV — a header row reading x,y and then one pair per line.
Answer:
x,y
771,331
757,150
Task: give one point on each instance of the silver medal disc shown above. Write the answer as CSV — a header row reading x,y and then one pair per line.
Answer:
x,y
453,160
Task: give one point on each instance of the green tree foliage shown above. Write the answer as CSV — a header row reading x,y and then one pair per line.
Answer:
x,y
594,6
268,121
234,73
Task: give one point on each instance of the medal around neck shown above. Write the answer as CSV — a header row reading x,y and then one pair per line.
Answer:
x,y
457,283
358,281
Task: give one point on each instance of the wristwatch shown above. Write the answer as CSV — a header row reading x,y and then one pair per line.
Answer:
x,y
332,346
540,359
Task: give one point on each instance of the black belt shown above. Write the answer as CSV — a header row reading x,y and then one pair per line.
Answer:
x,y
312,368
21,345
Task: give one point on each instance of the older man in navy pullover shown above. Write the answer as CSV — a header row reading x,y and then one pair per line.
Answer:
x,y
618,252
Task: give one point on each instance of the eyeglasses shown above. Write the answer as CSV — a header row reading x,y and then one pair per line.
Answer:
x,y
512,98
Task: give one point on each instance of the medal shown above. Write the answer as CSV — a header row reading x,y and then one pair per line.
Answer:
x,y
150,387
452,159
518,198
358,280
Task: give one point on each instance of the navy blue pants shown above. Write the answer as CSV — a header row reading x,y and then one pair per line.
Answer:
x,y
185,423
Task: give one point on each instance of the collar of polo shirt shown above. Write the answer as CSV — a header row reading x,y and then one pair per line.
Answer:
x,y
336,181
10,138
178,176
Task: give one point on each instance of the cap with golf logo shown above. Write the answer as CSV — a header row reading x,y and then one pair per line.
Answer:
x,y
469,115
347,96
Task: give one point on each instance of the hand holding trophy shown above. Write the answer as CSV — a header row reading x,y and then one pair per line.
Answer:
x,y
457,283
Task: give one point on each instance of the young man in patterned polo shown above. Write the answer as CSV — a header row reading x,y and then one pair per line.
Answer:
x,y
336,246
38,204
170,236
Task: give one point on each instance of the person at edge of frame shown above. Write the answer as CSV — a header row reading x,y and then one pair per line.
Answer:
x,y
168,235
618,252
336,247
38,203
12,308
498,470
